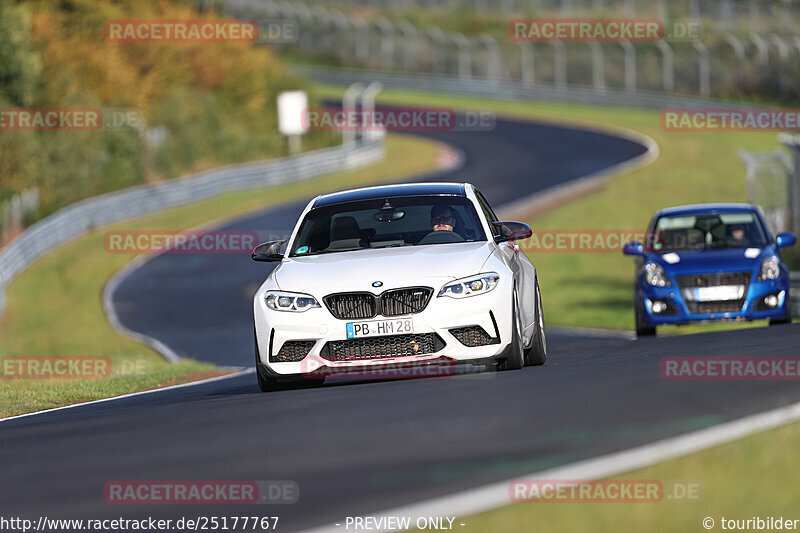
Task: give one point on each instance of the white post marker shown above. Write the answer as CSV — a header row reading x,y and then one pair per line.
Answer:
x,y
292,120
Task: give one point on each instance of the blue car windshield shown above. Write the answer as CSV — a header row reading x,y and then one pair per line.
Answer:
x,y
702,231
385,223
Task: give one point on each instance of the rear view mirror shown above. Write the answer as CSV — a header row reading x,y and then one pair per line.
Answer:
x,y
785,239
268,251
633,248
512,231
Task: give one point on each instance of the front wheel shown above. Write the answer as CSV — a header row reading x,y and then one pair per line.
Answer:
x,y
515,358
787,318
536,355
643,329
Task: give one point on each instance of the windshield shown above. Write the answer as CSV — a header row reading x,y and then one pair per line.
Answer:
x,y
704,231
384,223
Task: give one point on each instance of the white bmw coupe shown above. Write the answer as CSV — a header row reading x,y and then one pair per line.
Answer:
x,y
414,274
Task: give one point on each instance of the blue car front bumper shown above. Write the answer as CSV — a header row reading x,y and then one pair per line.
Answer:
x,y
677,310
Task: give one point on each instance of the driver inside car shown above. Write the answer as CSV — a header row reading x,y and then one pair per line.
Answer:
x,y
443,218
443,223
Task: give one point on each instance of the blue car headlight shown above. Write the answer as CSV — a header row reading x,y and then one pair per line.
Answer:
x,y
293,302
471,286
654,275
770,268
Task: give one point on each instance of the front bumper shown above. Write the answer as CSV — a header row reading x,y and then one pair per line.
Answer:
x,y
490,311
679,312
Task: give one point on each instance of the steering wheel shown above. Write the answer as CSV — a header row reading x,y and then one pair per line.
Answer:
x,y
437,237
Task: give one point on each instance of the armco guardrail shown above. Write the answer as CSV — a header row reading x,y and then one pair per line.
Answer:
x,y
509,89
80,217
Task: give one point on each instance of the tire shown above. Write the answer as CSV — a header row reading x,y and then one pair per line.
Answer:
x,y
536,355
643,329
786,319
515,356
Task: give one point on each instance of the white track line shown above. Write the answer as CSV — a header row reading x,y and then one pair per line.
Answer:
x,y
495,495
132,394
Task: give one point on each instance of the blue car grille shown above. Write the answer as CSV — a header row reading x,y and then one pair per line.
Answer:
x,y
692,281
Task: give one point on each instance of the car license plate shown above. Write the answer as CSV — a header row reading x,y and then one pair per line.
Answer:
x,y
379,327
719,294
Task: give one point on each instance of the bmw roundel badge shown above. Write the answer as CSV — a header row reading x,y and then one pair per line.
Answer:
x,y
377,284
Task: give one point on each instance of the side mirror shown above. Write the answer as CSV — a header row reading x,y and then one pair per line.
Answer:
x,y
268,251
633,248
785,239
512,231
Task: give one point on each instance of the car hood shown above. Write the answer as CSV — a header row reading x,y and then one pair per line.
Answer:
x,y
728,259
394,267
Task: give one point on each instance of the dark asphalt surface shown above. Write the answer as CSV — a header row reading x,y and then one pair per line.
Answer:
x,y
359,448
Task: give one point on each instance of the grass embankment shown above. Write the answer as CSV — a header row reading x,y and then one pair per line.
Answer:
x,y
739,480
596,289
54,308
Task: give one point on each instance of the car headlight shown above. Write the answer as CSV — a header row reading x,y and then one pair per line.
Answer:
x,y
770,268
654,275
471,286
294,302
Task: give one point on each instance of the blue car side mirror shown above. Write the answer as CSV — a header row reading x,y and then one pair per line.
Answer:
x,y
633,248
785,239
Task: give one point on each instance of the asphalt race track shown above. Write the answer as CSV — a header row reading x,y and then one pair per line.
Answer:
x,y
357,449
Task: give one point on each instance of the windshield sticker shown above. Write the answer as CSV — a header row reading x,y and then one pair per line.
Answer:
x,y
302,250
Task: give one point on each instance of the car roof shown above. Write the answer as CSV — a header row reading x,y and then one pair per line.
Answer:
x,y
705,209
392,191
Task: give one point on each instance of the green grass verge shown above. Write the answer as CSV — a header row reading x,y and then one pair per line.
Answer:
x,y
596,289
739,480
54,308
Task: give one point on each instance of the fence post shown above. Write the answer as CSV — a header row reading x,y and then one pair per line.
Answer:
x,y
493,57
349,100
438,43
362,38
598,66
783,55
704,71
527,70
738,51
560,63
667,66
387,42
410,58
464,55
630,65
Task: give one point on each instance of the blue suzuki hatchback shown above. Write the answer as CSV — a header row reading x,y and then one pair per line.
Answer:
x,y
709,262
